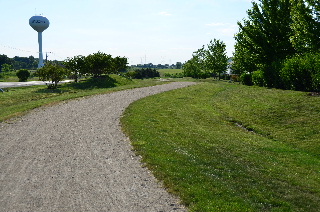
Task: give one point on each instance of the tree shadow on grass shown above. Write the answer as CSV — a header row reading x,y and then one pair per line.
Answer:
x,y
100,82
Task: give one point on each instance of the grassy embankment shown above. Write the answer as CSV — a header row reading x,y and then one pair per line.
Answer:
x,y
19,100
228,147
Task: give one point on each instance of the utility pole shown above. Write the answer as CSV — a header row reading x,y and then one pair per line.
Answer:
x,y
47,56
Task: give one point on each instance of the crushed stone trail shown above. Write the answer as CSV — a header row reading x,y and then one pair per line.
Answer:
x,y
74,157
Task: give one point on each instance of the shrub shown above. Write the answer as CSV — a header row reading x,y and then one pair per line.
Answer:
x,y
302,73
257,78
23,75
52,72
246,79
143,73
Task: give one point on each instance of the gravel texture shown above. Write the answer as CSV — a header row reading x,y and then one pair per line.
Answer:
x,y
74,157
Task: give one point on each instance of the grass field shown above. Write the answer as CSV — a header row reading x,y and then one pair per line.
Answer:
x,y
228,147
20,100
170,71
12,77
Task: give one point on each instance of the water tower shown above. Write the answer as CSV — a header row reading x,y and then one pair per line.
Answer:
x,y
39,23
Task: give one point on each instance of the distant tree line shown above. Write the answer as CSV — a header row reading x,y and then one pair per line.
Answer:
x,y
278,45
17,63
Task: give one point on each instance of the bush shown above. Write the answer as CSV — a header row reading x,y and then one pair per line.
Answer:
x,y
23,75
52,72
246,79
302,73
257,78
143,73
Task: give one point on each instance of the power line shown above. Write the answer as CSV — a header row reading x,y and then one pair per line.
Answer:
x,y
17,49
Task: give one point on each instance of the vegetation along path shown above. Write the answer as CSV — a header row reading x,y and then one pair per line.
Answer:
x,y
74,157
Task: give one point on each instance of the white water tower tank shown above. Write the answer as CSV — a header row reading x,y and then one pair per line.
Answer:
x,y
39,23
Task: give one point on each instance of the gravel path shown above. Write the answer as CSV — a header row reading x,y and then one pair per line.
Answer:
x,y
74,157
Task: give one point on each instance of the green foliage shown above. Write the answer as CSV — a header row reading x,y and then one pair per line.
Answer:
x,y
76,66
274,31
52,72
120,64
192,68
23,75
143,73
98,64
4,59
216,59
305,26
6,68
207,61
246,79
302,72
264,38
257,78
178,65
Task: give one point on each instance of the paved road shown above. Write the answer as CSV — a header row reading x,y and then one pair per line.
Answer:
x,y
21,84
74,157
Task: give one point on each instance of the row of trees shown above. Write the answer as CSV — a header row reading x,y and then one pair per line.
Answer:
x,y
17,63
95,65
278,44
207,61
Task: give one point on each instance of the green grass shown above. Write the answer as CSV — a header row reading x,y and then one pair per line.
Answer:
x,y
12,76
171,71
19,100
228,147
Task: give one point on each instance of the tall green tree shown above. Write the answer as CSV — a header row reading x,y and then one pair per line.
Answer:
x,y
265,37
216,59
192,68
305,26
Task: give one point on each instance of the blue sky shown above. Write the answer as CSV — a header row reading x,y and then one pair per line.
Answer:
x,y
144,31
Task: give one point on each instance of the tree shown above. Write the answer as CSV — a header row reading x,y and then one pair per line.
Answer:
x,y
99,63
120,64
6,68
305,26
53,73
216,59
23,75
265,37
4,59
192,68
76,65
178,65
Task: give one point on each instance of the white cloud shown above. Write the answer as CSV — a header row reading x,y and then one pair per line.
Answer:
x,y
164,13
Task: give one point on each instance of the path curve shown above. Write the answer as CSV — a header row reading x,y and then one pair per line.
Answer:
x,y
74,157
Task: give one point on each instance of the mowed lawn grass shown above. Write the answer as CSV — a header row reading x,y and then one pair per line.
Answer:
x,y
17,101
229,147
